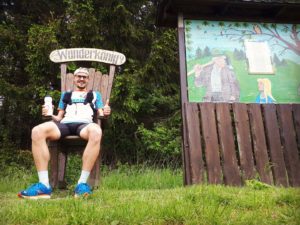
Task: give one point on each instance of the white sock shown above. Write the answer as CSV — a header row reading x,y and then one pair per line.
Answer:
x,y
84,176
44,178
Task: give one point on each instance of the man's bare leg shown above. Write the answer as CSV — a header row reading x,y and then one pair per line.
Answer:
x,y
39,136
41,157
92,133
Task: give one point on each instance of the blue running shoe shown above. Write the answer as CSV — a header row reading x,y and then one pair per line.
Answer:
x,y
36,191
82,189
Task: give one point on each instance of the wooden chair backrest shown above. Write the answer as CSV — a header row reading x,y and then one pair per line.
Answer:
x,y
97,81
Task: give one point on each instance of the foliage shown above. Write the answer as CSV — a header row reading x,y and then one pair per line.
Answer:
x,y
255,184
146,88
15,165
161,144
13,160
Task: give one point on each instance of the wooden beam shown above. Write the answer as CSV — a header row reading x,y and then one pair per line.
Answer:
x,y
184,100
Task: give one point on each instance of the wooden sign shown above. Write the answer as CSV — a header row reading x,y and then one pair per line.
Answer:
x,y
259,57
87,54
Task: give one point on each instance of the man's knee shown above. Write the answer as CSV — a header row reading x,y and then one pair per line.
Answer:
x,y
95,133
43,131
37,132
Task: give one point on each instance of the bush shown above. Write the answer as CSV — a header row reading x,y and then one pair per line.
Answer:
x,y
161,145
13,160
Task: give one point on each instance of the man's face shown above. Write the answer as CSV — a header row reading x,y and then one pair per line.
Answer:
x,y
220,61
81,81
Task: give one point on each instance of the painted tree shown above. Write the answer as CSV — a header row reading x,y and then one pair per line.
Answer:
x,y
198,53
285,36
188,37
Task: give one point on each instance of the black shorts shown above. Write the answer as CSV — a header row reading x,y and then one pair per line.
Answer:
x,y
70,128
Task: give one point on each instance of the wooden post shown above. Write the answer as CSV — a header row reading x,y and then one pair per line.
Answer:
x,y
184,100
111,74
63,73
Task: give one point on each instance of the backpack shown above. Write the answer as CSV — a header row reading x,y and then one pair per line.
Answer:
x,y
67,100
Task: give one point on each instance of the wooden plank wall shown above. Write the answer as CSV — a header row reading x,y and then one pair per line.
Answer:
x,y
231,143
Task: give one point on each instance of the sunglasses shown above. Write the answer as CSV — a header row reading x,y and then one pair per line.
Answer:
x,y
83,77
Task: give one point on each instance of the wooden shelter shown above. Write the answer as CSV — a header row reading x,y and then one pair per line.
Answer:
x,y
233,142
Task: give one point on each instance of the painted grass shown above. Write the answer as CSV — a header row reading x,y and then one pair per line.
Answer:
x,y
285,82
153,196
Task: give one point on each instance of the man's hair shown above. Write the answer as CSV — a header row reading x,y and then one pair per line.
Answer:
x,y
82,70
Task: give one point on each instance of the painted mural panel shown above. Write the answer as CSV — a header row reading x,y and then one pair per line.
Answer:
x,y
242,62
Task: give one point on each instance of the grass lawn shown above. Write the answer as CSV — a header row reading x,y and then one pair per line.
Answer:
x,y
151,196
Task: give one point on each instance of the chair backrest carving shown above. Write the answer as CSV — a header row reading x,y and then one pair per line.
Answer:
x,y
97,81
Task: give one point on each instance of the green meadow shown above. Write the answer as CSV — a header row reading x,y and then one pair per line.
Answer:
x,y
142,195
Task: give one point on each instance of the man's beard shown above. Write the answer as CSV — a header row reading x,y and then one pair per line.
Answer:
x,y
79,86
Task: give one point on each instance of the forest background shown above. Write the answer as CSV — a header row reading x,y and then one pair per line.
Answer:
x,y
145,123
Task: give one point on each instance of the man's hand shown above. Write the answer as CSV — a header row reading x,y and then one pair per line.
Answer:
x,y
106,108
56,118
45,110
105,111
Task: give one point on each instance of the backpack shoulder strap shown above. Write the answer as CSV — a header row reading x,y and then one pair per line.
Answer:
x,y
67,100
89,97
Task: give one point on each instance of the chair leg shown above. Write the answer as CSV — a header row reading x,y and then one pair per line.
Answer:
x,y
53,163
95,174
62,162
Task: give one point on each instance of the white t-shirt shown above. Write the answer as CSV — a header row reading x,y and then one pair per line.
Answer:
x,y
215,79
78,112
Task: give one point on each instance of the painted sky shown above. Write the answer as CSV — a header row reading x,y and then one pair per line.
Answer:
x,y
213,36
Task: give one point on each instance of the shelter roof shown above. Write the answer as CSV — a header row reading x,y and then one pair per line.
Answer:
x,y
278,11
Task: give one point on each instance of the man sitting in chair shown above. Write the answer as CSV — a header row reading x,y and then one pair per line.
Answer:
x,y
75,117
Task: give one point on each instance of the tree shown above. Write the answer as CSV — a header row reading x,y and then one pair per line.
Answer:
x,y
146,88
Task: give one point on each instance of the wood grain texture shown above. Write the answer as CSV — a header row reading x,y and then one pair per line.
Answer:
x,y
226,137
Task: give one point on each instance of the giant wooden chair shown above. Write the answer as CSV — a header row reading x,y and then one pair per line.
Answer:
x,y
59,150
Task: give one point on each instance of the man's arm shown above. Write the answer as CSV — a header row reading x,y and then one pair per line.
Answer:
x,y
102,110
61,108
57,118
59,115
